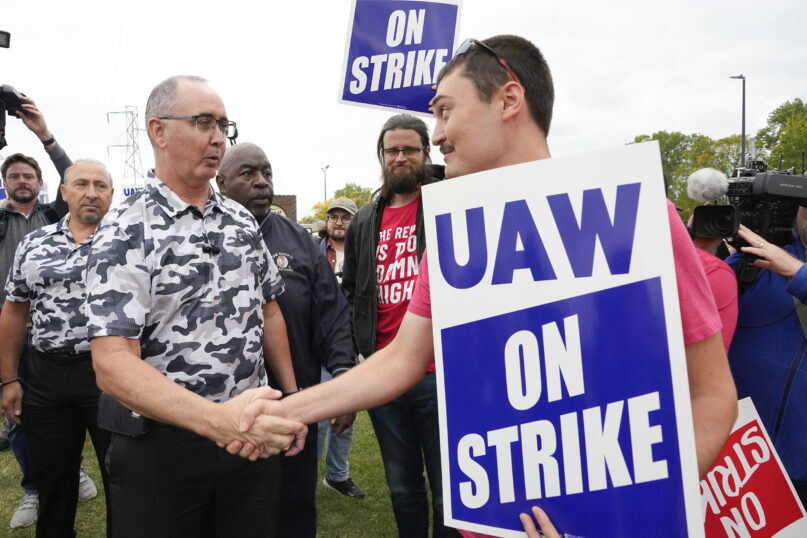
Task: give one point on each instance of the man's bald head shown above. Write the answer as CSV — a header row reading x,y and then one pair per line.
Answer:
x,y
245,175
236,154
163,97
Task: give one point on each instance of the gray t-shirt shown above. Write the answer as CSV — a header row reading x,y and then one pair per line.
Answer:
x,y
19,225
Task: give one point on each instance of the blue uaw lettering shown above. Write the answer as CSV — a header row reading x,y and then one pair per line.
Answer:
x,y
128,191
518,226
415,68
538,442
616,239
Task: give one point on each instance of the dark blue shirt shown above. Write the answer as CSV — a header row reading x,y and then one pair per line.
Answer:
x,y
316,312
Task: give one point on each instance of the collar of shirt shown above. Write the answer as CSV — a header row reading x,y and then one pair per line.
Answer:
x,y
63,228
172,204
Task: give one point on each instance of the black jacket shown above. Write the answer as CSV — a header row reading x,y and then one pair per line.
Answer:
x,y
359,272
315,311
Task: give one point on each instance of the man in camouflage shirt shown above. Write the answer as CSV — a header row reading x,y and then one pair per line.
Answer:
x,y
181,314
60,400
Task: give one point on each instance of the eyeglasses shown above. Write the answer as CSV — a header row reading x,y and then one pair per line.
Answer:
x,y
408,151
343,218
468,43
205,123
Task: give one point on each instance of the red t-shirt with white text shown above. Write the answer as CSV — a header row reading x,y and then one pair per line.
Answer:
x,y
396,267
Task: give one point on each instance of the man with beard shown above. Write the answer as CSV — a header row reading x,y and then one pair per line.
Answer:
x,y
337,467
59,402
339,214
316,315
383,247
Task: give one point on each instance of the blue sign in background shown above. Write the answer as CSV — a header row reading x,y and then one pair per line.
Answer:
x,y
624,354
368,38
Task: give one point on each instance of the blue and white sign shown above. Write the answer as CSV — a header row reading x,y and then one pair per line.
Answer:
x,y
562,375
2,190
394,51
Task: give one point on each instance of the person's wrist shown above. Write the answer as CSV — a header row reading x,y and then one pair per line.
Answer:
x,y
216,420
47,139
287,394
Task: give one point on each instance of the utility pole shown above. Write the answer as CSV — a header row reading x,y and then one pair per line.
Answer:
x,y
325,180
133,167
742,154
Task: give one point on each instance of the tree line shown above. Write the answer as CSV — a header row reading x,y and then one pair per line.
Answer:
x,y
784,136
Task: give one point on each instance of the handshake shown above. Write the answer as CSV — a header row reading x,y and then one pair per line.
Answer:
x,y
254,425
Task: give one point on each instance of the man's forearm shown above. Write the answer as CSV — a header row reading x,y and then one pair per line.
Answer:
x,y
381,378
122,374
713,397
13,326
59,158
276,347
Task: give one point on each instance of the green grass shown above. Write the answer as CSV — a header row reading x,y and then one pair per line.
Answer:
x,y
90,515
338,516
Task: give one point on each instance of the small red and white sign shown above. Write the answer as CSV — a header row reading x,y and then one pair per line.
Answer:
x,y
747,493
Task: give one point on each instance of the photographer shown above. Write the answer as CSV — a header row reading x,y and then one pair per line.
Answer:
x,y
767,353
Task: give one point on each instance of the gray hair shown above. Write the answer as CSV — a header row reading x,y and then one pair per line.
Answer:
x,y
161,99
88,161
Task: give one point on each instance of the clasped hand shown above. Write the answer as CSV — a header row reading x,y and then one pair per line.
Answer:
x,y
263,435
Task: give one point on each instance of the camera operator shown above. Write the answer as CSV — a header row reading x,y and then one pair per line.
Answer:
x,y
769,346
20,215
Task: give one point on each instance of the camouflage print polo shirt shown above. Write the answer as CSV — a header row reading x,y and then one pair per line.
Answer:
x,y
48,271
189,285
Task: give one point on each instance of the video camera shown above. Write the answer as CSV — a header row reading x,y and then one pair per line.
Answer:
x,y
765,202
10,103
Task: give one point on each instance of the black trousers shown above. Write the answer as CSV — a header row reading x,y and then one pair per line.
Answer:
x,y
172,482
59,406
298,504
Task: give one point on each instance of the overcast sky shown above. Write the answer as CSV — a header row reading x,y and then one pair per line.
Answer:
x,y
621,68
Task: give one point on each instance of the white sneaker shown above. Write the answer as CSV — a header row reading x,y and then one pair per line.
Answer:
x,y
86,487
26,513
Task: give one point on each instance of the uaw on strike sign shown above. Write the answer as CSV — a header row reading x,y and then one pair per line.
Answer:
x,y
394,51
560,357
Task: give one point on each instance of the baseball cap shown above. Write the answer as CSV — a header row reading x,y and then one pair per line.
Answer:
x,y
343,203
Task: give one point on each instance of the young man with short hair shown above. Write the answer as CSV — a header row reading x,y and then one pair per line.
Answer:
x,y
493,106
